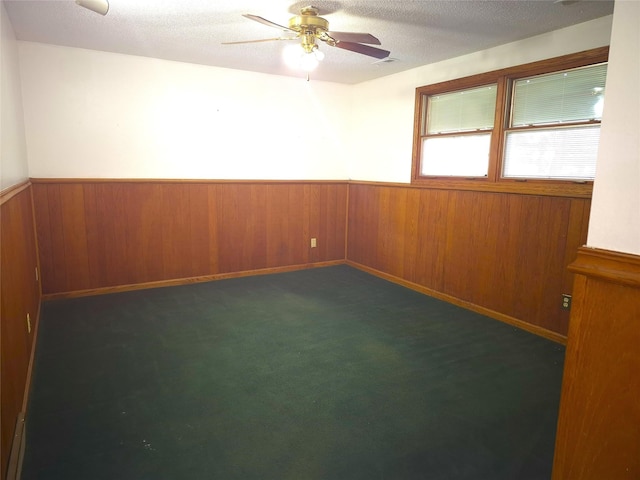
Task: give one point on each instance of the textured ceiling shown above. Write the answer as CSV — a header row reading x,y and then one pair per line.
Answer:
x,y
417,32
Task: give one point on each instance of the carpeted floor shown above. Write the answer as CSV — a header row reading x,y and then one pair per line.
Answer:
x,y
326,373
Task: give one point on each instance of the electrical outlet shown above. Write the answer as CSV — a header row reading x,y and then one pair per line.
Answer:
x,y
314,243
566,301
28,323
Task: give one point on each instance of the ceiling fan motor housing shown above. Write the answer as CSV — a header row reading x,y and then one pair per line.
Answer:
x,y
309,22
309,26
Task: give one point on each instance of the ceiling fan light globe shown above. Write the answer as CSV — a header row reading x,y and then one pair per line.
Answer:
x,y
308,62
292,55
297,58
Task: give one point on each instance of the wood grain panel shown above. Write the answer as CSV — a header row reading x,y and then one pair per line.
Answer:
x,y
98,234
59,271
327,220
363,225
330,232
599,423
74,236
490,228
200,230
113,227
176,232
20,295
393,223
144,224
95,239
277,214
43,222
242,227
465,246
385,233
542,244
212,222
411,235
299,245
311,225
431,248
503,252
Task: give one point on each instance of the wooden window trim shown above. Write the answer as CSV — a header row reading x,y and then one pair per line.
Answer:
x,y
503,78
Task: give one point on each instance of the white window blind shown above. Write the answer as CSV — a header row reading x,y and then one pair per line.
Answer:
x,y
566,104
563,97
555,153
463,111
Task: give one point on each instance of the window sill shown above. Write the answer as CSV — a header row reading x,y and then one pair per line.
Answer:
x,y
531,187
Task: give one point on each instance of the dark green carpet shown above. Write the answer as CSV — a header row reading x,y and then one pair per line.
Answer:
x,y
319,374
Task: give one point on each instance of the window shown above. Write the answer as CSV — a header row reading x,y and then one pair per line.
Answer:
x,y
534,127
554,125
458,132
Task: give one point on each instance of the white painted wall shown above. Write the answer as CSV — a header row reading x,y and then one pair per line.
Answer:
x,y
103,115
92,114
382,120
13,146
615,208
96,114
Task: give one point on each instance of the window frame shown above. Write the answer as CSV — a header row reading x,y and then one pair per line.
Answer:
x,y
425,135
504,79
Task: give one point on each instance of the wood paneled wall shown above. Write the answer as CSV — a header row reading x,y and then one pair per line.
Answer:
x,y
503,252
599,422
20,295
506,253
96,234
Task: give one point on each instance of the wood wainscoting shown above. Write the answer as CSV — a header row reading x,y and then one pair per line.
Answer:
x,y
599,422
504,253
20,296
99,234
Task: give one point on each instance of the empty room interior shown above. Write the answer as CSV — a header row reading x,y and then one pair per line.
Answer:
x,y
407,253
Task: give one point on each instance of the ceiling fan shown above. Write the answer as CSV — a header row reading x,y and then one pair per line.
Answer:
x,y
309,27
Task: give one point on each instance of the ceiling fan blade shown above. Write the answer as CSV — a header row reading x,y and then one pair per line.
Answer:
x,y
354,37
258,41
363,49
269,23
